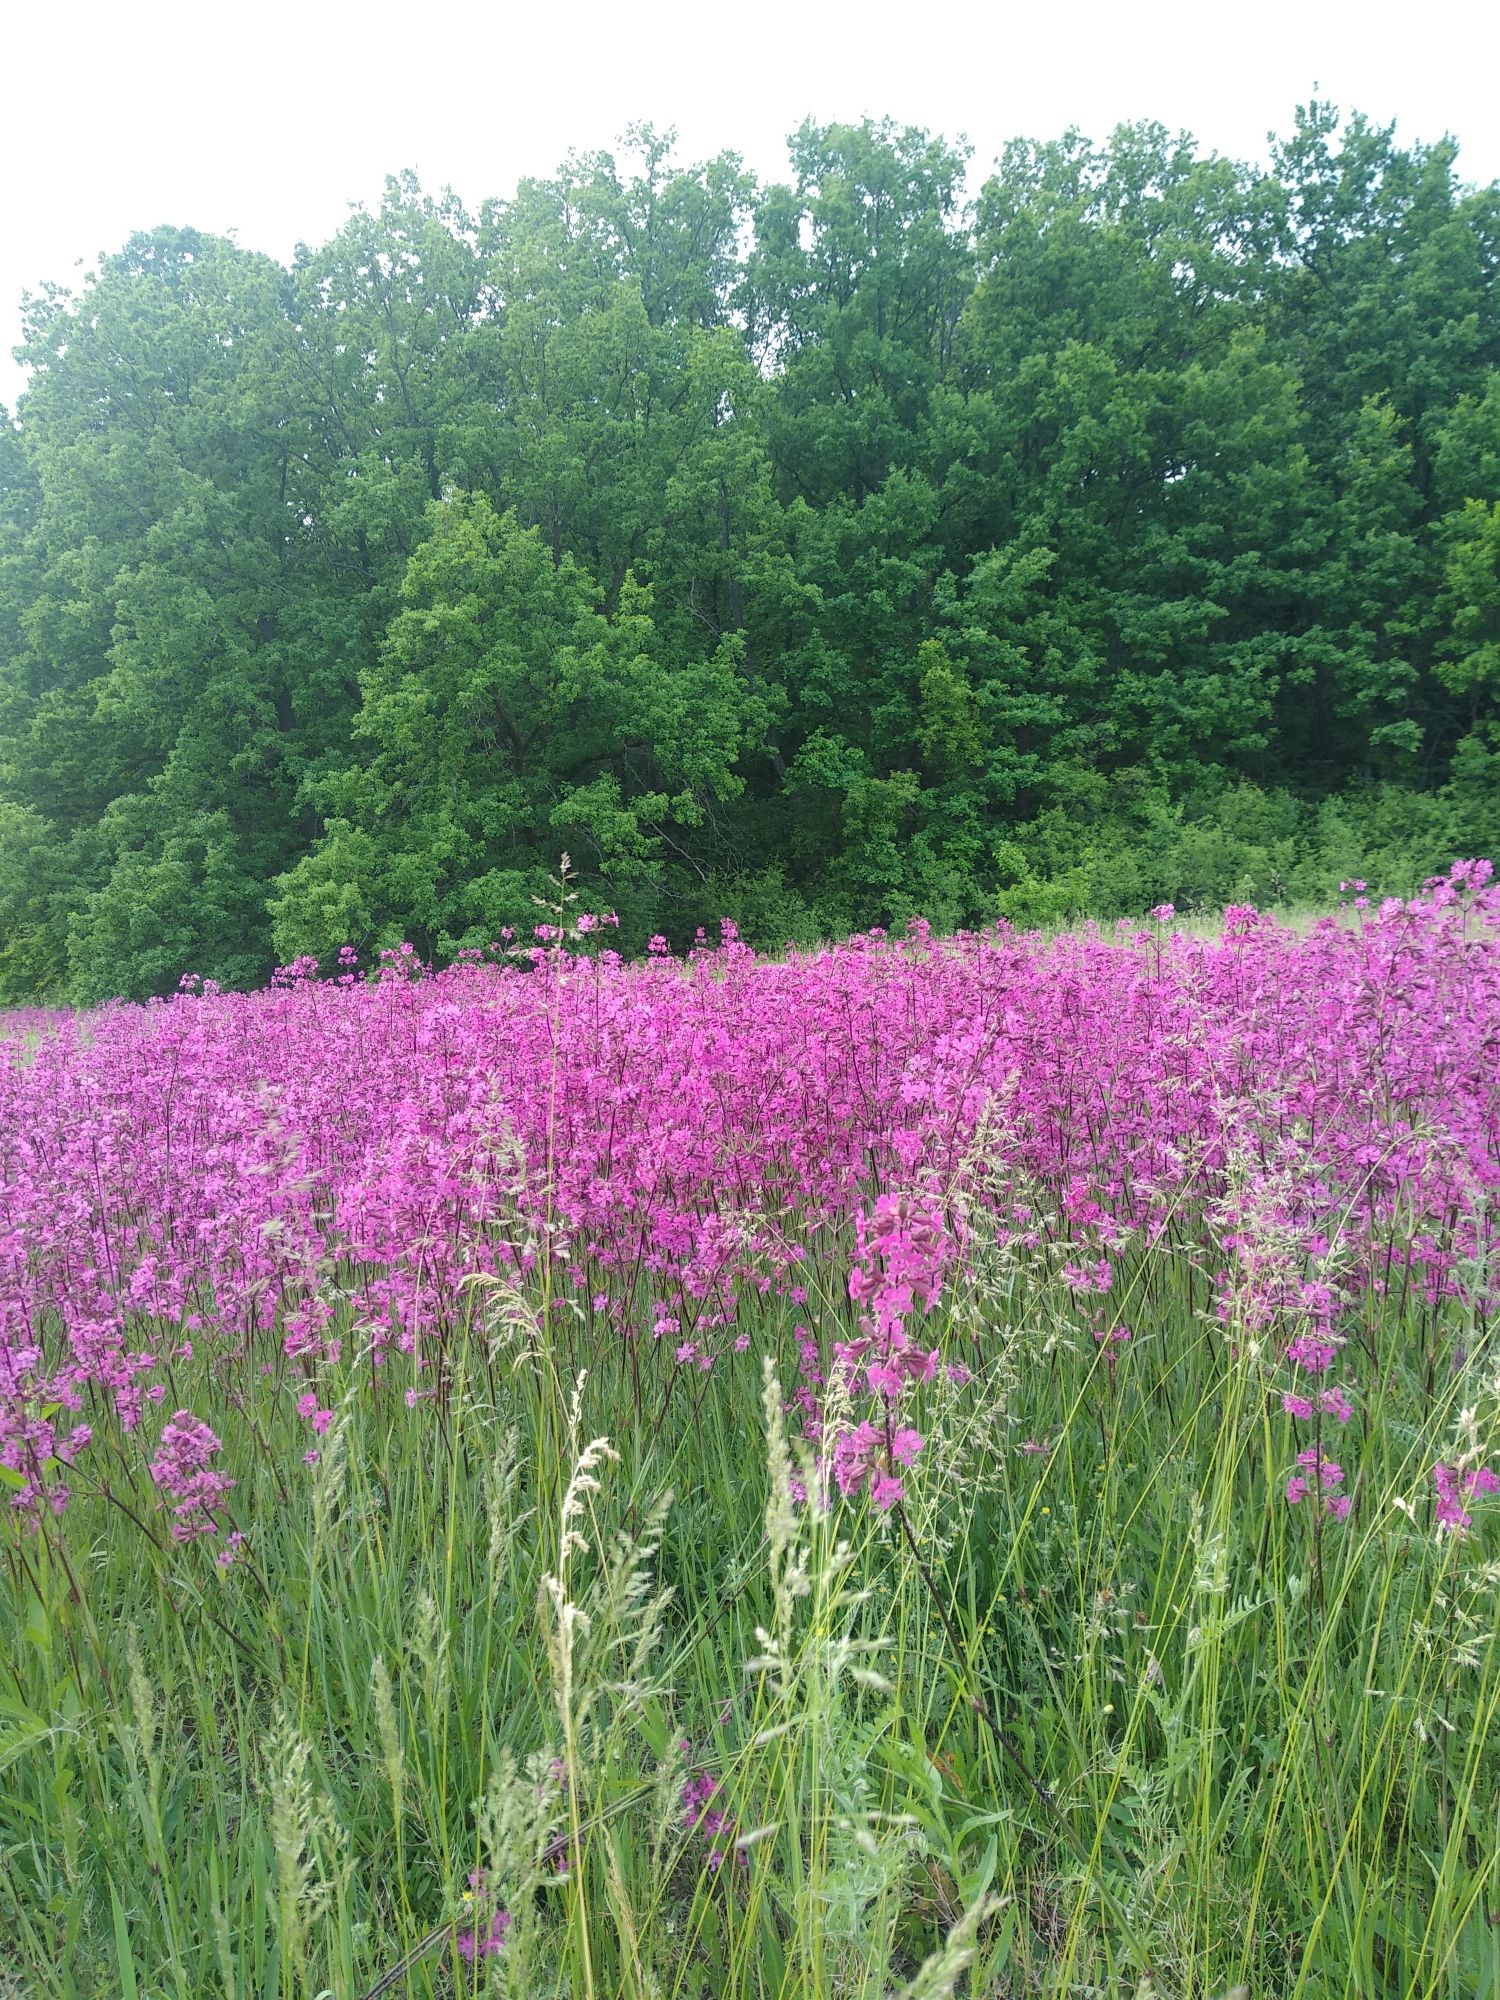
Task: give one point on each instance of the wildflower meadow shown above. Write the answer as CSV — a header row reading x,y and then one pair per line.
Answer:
x,y
931,1465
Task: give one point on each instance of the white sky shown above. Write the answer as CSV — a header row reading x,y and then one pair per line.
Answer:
x,y
269,119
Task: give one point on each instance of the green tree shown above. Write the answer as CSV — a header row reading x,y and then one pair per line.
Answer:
x,y
507,717
820,552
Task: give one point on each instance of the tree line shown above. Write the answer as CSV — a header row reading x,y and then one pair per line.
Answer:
x,y
816,553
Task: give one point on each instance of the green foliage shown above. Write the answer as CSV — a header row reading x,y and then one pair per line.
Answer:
x,y
178,900
820,551
506,716
32,949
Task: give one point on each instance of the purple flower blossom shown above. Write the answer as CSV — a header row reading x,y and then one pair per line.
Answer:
x,y
482,1944
1454,1487
1320,1476
181,1470
1312,1353
1324,1104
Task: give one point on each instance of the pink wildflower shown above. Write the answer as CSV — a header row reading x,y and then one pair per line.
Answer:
x,y
181,1469
1454,1487
1314,1354
1322,1476
472,1944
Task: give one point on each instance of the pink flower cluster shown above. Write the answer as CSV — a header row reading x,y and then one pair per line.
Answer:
x,y
195,1492
872,1452
484,1938
1321,1477
902,1247
1454,1487
706,1817
1327,1403
263,1179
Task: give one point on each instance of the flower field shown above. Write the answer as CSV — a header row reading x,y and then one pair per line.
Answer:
x,y
932,1465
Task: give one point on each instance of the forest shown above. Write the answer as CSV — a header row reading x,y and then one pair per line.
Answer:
x,y
1120,526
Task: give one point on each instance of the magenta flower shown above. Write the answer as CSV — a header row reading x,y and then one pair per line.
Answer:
x,y
866,1454
1454,1487
1311,1352
705,1816
1320,1476
474,1944
1322,1105
181,1469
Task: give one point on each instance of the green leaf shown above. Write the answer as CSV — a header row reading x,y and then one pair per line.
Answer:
x,y
123,1958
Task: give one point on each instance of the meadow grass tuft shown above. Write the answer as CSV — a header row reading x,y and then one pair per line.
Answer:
x,y
1113,1713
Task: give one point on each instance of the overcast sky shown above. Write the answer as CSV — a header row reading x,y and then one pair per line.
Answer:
x,y
269,119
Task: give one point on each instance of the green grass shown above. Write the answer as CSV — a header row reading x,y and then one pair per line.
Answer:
x,y
1110,1716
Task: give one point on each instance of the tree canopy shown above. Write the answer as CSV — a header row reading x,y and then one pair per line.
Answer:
x,y
816,553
